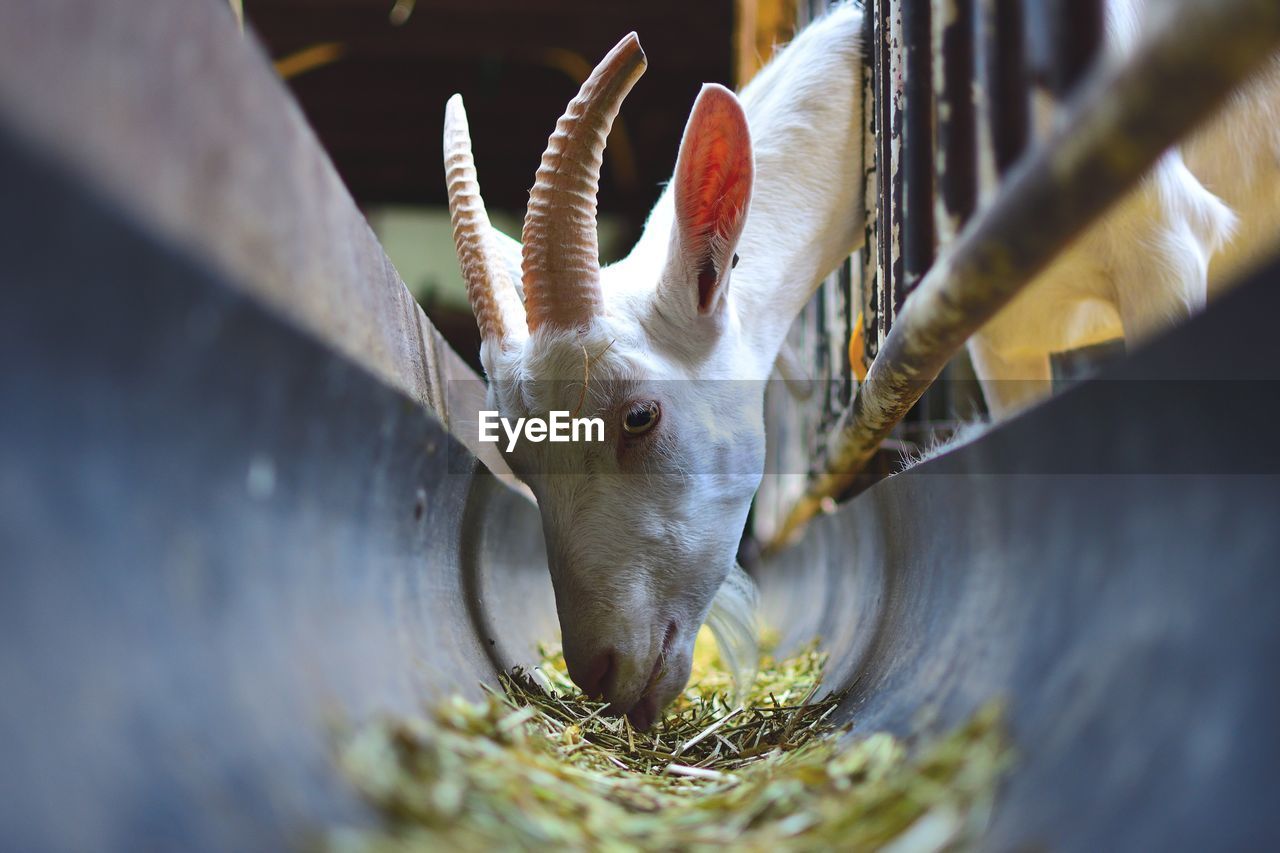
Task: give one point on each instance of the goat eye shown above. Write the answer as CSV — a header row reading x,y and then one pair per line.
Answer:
x,y
641,418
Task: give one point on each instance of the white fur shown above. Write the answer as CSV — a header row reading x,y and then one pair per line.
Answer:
x,y
641,536
1237,158
966,432
1152,261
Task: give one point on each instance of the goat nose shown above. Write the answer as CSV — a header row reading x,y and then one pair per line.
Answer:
x,y
594,677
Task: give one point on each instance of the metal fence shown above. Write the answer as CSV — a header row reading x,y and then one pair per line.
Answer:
x,y
975,112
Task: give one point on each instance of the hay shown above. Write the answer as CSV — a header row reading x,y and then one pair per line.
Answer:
x,y
539,765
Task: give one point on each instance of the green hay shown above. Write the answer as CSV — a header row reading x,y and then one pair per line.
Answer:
x,y
539,765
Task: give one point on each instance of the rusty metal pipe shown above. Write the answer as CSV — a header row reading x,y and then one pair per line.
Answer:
x,y
886,130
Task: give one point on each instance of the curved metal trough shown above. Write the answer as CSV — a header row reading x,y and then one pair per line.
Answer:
x,y
220,538
228,522
1108,563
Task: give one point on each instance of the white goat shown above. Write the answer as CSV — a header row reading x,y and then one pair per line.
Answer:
x,y
672,346
1151,261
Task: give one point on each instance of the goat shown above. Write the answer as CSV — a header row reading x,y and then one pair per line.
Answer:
x,y
672,345
1154,259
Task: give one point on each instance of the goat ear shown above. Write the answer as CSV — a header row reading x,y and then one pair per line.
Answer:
x,y
712,187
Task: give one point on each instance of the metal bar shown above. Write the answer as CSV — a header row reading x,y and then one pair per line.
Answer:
x,y
884,171
918,239
1077,27
869,281
1007,81
983,61
953,77
849,306
821,352
1061,39
837,335
894,234
1039,32
1121,123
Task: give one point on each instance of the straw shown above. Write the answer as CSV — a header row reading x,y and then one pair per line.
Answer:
x,y
539,764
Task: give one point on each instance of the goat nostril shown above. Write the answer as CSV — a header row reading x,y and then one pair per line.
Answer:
x,y
593,679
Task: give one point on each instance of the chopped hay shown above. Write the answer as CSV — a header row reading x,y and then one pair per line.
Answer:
x,y
541,765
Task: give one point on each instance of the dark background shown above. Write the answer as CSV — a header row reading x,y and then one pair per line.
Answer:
x,y
378,107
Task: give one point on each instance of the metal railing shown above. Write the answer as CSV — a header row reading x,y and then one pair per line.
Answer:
x,y
967,205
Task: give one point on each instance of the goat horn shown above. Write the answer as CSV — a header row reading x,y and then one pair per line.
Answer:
x,y
490,289
561,259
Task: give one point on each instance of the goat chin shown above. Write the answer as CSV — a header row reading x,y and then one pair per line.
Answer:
x,y
1206,213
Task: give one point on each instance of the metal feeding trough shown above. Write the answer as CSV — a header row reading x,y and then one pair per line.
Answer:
x,y
222,533
220,537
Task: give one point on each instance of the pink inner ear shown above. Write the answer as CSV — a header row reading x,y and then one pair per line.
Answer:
x,y
714,185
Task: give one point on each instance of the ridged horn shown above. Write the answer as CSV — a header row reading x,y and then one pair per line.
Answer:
x,y
561,258
490,290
